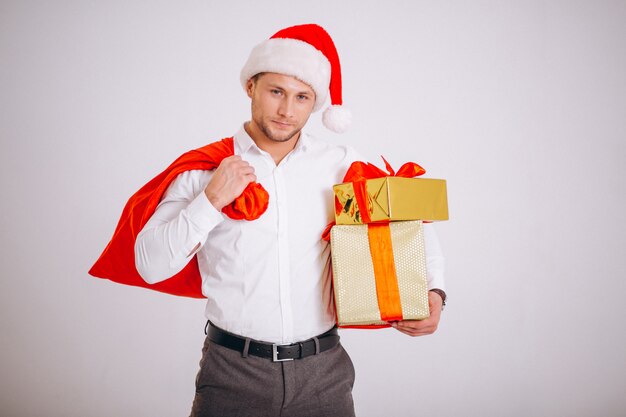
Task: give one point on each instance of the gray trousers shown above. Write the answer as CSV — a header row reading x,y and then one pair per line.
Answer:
x,y
230,385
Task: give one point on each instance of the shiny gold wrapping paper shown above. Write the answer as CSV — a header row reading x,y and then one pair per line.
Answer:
x,y
353,274
394,198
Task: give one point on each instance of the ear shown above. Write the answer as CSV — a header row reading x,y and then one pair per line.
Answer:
x,y
250,87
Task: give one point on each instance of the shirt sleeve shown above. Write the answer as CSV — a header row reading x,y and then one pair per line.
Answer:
x,y
435,261
177,229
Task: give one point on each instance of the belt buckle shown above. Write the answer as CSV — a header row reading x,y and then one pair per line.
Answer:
x,y
275,354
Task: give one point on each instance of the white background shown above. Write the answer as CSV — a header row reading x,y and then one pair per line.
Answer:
x,y
520,105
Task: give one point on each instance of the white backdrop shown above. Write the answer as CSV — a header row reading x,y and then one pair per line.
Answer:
x,y
520,105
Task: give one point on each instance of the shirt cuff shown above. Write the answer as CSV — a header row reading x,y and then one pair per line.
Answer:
x,y
203,215
435,272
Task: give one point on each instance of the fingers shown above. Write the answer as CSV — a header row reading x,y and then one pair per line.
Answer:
x,y
417,327
234,165
426,326
229,180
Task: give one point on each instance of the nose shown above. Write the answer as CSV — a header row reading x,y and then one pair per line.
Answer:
x,y
286,107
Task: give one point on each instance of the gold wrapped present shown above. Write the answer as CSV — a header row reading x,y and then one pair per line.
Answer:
x,y
391,199
379,273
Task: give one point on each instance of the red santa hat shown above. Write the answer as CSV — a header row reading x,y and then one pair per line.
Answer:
x,y
306,52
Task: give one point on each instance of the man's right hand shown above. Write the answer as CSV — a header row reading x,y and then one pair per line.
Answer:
x,y
229,180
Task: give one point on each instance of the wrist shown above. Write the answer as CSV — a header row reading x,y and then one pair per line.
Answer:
x,y
214,200
441,293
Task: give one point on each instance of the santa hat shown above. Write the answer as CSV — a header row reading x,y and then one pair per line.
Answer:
x,y
306,52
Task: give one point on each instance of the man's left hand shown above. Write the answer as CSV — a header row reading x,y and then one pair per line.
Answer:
x,y
426,326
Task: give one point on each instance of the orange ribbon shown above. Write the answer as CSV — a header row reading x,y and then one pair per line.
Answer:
x,y
387,291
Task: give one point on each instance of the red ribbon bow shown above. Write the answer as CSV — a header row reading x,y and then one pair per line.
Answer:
x,y
359,172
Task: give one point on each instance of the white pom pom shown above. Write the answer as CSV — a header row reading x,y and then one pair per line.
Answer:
x,y
337,118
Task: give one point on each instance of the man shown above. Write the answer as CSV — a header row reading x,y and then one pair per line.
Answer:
x,y
271,348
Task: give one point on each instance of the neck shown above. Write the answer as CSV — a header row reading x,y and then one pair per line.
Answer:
x,y
278,150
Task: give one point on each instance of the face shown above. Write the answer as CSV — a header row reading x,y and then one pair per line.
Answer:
x,y
281,105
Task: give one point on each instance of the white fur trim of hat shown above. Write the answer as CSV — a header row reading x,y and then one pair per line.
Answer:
x,y
291,57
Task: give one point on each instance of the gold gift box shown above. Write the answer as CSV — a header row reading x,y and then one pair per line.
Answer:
x,y
354,282
393,198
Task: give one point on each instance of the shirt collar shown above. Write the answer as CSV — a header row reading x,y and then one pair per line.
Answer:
x,y
243,142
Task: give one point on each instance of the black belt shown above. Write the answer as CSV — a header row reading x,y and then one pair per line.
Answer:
x,y
277,353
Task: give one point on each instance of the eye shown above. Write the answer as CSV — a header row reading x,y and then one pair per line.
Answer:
x,y
303,97
276,91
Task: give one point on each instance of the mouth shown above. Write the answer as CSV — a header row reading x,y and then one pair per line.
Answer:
x,y
283,125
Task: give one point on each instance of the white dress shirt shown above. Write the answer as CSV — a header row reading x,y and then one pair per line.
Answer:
x,y
267,279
